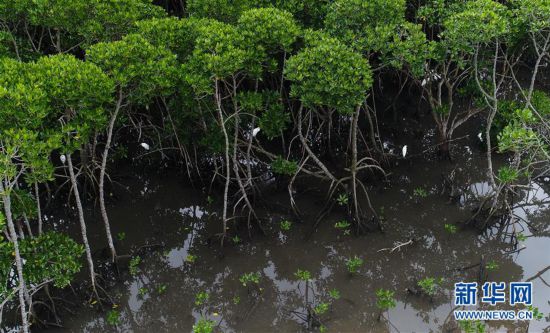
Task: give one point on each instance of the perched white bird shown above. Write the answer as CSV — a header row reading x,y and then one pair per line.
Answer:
x,y
480,136
63,158
255,132
404,151
145,146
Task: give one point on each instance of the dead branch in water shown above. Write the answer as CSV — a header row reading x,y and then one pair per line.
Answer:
x,y
398,246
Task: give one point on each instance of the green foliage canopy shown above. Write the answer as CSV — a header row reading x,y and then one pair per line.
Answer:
x,y
329,75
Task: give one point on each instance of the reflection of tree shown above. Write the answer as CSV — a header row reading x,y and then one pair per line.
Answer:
x,y
435,253
539,276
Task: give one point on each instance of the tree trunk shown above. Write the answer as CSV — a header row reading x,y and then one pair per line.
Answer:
x,y
444,147
38,207
18,262
82,225
353,169
227,162
102,179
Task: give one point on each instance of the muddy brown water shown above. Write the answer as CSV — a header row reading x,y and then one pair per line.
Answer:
x,y
157,209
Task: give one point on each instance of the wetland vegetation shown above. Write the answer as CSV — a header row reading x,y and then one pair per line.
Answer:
x,y
253,166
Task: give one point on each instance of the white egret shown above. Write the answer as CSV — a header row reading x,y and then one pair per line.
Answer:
x,y
404,151
255,132
63,158
480,136
145,146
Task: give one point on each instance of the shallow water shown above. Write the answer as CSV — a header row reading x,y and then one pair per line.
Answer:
x,y
157,210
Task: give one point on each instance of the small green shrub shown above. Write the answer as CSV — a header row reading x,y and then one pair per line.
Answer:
x,y
429,285
113,317
342,199
385,299
201,298
353,264
420,192
203,326
250,278
334,294
133,266
285,225
451,228
303,275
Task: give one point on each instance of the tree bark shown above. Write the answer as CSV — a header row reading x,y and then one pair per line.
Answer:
x,y
18,262
82,224
102,172
38,208
227,162
353,167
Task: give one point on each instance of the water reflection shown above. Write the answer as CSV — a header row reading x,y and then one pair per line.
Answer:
x,y
161,297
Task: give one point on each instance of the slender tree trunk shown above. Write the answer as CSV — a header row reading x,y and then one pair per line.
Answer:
x,y
18,262
102,179
444,148
227,162
490,172
82,225
353,167
371,128
38,207
27,225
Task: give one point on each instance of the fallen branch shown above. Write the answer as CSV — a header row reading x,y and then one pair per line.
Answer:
x,y
397,246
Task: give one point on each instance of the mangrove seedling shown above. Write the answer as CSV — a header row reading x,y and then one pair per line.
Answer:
x,y
303,275
429,285
201,298
285,225
344,226
133,265
121,236
113,317
342,199
537,315
191,258
236,239
321,308
468,326
315,305
251,281
353,264
250,278
161,289
450,228
384,301
419,193
334,294
204,326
